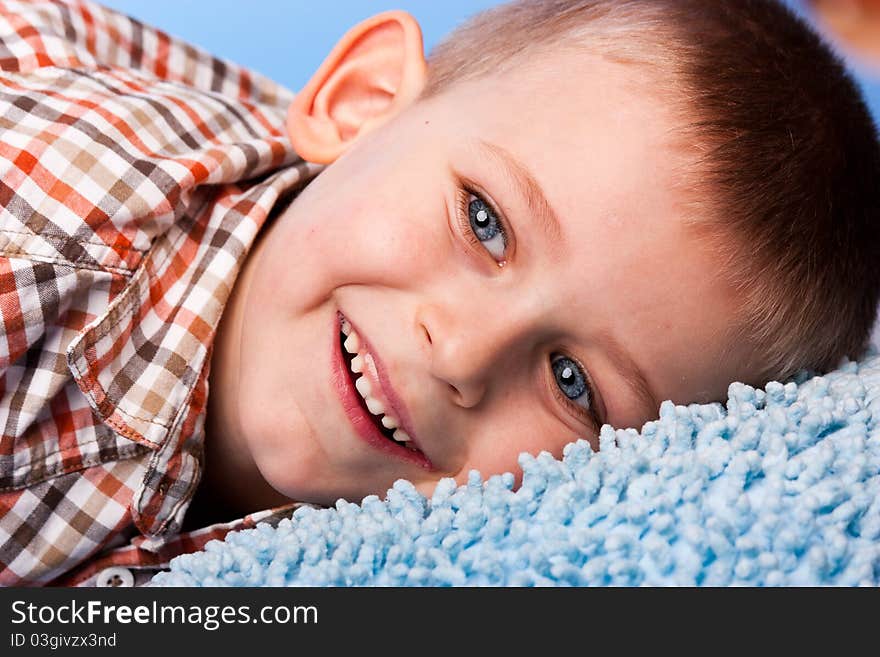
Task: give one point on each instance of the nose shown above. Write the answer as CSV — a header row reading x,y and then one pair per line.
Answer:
x,y
472,346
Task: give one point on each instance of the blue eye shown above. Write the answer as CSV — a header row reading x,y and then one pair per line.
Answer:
x,y
487,227
572,381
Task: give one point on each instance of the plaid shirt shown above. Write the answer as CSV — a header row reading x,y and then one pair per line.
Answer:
x,y
135,172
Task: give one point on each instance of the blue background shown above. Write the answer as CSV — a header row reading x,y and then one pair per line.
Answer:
x,y
288,39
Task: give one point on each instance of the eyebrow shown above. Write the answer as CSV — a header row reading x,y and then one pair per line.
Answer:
x,y
528,188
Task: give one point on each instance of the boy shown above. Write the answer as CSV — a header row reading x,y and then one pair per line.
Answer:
x,y
578,210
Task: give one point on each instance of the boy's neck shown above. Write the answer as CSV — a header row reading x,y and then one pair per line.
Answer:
x,y
231,484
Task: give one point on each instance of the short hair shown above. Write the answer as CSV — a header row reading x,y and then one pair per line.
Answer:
x,y
787,179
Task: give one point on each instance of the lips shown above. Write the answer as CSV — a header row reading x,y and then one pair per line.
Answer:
x,y
367,425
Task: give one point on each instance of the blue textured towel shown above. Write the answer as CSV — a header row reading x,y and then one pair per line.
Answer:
x,y
779,486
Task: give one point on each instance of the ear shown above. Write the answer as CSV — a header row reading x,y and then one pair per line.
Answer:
x,y
375,70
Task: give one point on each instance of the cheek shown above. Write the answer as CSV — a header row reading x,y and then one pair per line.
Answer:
x,y
387,208
386,241
369,226
522,427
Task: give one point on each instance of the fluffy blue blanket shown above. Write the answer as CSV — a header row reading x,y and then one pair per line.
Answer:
x,y
779,486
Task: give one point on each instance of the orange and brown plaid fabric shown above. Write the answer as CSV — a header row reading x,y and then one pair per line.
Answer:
x,y
135,173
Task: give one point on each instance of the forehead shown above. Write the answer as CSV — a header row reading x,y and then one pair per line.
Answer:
x,y
604,148
595,133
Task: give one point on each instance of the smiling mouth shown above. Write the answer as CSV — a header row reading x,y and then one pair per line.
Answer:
x,y
357,360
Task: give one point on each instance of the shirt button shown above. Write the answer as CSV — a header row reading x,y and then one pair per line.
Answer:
x,y
115,577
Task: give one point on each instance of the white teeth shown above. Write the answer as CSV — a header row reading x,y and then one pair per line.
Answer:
x,y
374,406
363,386
352,343
360,363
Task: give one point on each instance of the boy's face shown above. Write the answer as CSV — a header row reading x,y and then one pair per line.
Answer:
x,y
401,237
